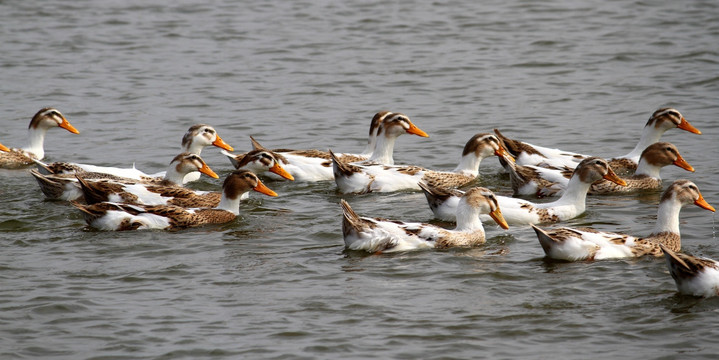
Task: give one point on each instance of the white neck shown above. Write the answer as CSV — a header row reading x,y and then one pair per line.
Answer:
x,y
384,149
468,165
173,175
467,218
645,168
231,205
369,149
650,135
668,217
576,194
36,139
193,148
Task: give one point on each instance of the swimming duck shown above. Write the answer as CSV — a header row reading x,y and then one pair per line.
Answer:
x,y
357,178
144,194
536,180
380,235
589,244
443,202
693,275
116,217
66,186
43,120
315,165
661,120
195,139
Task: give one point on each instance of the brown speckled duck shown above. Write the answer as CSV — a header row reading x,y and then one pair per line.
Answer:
x,y
43,120
66,186
572,244
381,235
117,217
661,120
357,178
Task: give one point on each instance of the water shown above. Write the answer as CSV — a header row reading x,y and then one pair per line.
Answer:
x,y
277,283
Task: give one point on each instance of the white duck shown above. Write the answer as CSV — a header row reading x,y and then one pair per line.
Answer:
x,y
43,120
693,275
315,165
66,187
443,202
195,139
380,235
117,217
661,120
357,178
540,181
589,244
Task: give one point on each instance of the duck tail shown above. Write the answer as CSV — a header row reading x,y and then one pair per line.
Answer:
x,y
545,240
90,191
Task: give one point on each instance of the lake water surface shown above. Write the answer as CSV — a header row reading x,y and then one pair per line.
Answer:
x,y
277,283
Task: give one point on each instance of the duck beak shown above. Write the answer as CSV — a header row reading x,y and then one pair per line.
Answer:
x,y
414,130
496,215
683,163
502,152
66,125
4,148
207,171
261,188
222,144
279,170
611,176
703,203
685,125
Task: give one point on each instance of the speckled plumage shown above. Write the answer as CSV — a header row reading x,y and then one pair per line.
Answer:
x,y
693,275
573,244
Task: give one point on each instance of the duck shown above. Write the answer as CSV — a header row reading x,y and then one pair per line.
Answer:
x,y
147,194
535,180
694,276
315,165
66,186
377,235
361,179
42,121
111,216
661,120
443,202
574,244
196,138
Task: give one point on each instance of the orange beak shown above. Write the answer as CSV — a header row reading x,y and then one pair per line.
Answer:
x,y
279,170
414,130
261,188
683,163
502,152
4,148
703,203
497,216
66,125
207,171
685,125
611,176
222,144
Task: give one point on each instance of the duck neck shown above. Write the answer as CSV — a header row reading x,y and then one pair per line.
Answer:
x,y
231,205
576,193
36,141
193,148
645,168
369,149
174,176
650,135
469,164
383,150
467,218
668,217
